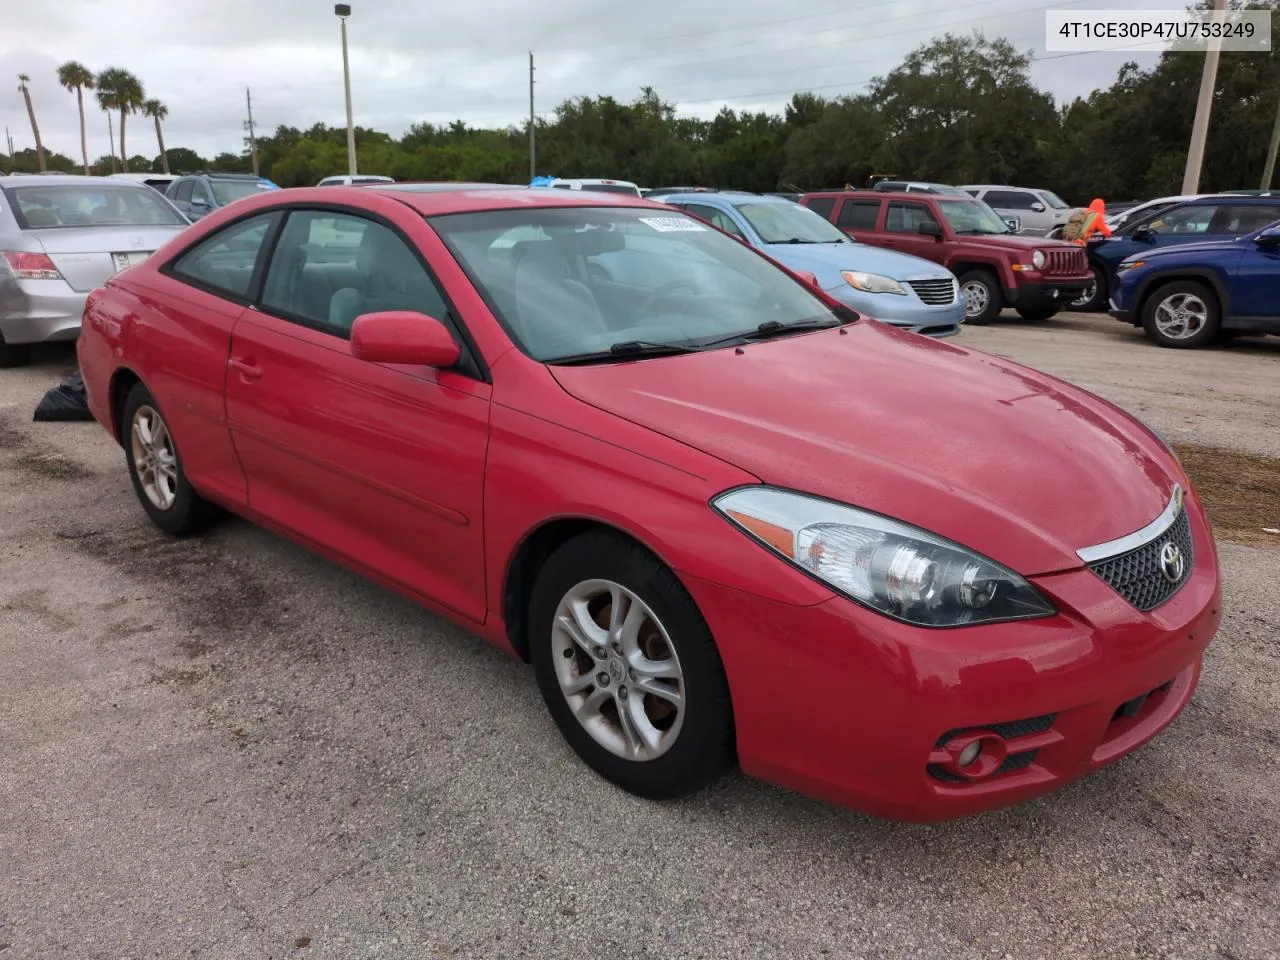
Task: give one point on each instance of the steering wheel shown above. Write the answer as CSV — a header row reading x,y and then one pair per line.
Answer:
x,y
662,293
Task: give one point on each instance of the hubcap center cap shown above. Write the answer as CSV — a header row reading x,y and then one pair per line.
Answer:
x,y
617,670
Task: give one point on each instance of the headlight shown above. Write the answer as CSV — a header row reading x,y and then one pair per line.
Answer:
x,y
872,283
898,570
1129,265
1038,259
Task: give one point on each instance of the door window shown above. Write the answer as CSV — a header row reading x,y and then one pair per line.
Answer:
x,y
1180,220
859,214
224,262
183,192
1009,199
713,216
823,206
329,268
907,217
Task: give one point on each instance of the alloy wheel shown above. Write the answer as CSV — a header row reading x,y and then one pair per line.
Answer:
x,y
1181,316
154,457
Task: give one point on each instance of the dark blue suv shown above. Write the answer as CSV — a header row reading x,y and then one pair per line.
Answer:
x,y
1219,217
1189,295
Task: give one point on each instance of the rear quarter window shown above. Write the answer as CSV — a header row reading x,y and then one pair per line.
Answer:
x,y
823,206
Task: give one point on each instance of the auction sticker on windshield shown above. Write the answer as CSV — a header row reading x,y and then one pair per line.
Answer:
x,y
673,225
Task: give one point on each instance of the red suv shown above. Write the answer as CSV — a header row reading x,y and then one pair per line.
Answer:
x,y
996,267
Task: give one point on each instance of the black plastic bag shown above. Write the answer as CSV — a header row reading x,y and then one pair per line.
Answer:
x,y
65,402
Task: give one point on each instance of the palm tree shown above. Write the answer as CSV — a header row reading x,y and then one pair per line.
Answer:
x,y
157,111
118,89
23,80
76,76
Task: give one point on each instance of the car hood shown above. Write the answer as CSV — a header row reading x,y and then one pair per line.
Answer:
x,y
828,259
1018,242
1183,249
1013,463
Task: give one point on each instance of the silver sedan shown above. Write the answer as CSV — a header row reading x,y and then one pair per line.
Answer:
x,y
62,236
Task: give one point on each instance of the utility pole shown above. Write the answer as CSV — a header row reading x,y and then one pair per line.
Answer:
x,y
111,137
343,10
1268,172
8,139
253,141
1200,126
533,150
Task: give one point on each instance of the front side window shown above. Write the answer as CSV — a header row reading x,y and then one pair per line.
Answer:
x,y
182,193
907,217
329,268
96,205
589,280
860,214
224,261
789,223
1009,199
1180,220
971,217
1053,200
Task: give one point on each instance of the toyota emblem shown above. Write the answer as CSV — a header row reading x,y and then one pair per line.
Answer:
x,y
1172,563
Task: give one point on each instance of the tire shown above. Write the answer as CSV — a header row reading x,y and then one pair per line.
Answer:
x,y
14,354
673,750
1096,298
165,494
1037,316
1196,325
983,297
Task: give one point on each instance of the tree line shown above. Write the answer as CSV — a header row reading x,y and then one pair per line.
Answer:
x,y
960,109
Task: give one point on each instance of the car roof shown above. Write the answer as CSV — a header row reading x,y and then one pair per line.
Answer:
x,y
70,179
726,198
466,198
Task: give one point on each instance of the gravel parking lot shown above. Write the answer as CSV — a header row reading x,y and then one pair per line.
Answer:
x,y
226,747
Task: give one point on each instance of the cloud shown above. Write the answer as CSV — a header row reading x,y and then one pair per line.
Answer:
x,y
414,62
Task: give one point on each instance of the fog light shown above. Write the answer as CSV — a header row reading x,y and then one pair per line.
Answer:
x,y
969,753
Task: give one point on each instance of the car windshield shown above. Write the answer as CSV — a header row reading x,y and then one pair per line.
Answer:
x,y
972,217
224,191
90,205
585,283
789,223
1053,200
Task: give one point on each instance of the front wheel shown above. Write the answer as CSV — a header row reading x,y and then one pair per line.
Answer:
x,y
1184,314
1095,294
628,668
155,468
983,300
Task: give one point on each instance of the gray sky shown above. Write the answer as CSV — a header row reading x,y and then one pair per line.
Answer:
x,y
415,61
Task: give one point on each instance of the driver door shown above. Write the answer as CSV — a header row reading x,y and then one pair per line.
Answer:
x,y
380,464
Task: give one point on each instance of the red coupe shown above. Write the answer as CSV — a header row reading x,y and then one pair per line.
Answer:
x,y
725,518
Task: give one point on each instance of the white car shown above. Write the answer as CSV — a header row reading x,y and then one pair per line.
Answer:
x,y
597,185
346,180
1038,213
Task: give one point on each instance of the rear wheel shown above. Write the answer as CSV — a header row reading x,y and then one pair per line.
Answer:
x,y
1184,314
14,354
628,668
155,468
983,300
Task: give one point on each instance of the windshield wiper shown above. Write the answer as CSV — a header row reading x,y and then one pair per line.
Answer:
x,y
772,328
800,240
626,349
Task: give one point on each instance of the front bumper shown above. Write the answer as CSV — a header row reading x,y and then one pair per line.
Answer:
x,y
34,311
908,313
1047,293
840,703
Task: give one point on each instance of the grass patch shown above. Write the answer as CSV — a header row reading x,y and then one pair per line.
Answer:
x,y
1241,492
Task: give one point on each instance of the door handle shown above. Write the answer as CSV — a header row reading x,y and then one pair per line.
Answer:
x,y
246,368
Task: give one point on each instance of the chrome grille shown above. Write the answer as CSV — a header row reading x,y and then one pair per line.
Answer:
x,y
1071,262
934,292
1138,575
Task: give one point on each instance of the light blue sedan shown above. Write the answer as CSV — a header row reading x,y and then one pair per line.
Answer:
x,y
895,288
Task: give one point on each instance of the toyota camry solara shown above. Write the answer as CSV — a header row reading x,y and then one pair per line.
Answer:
x,y
725,519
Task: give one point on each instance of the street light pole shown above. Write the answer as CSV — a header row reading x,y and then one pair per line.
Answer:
x,y
343,11
1200,125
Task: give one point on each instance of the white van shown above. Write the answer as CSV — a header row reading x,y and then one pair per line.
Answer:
x,y
598,186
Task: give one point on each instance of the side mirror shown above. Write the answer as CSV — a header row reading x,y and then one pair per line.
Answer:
x,y
930,229
1269,237
1143,233
403,336
807,277
1037,206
